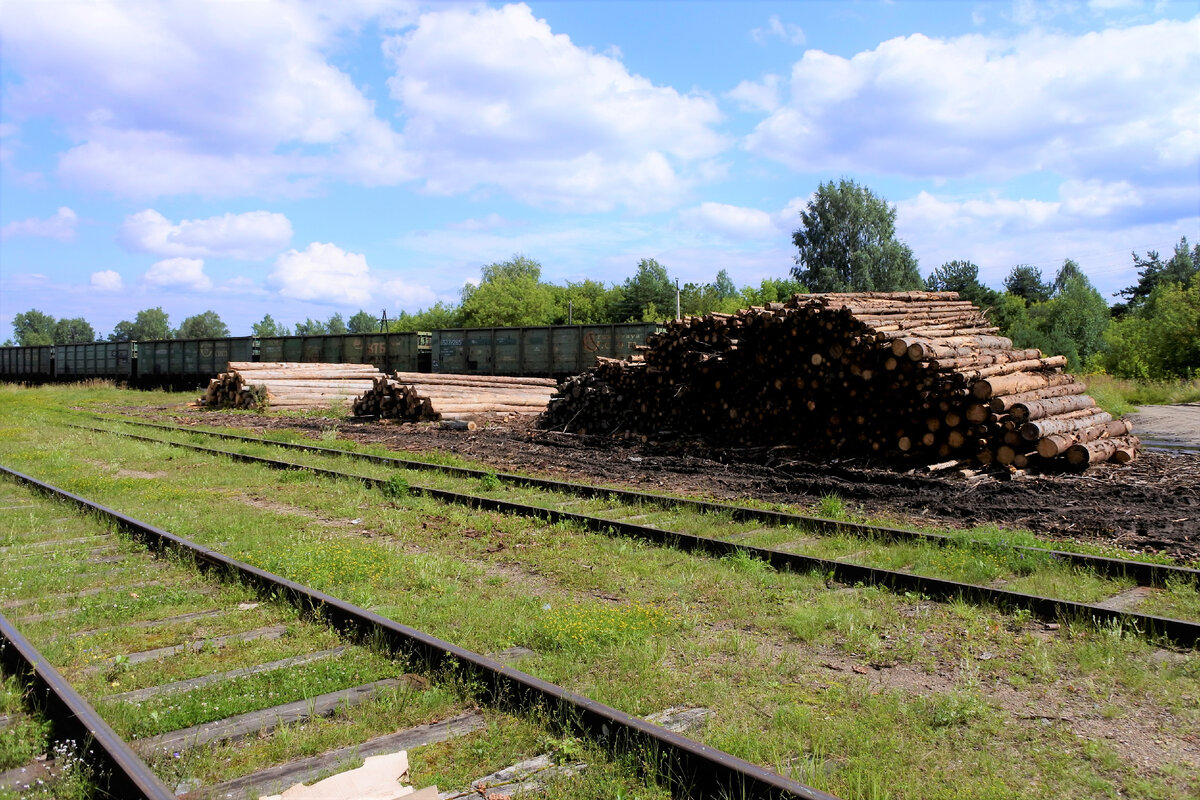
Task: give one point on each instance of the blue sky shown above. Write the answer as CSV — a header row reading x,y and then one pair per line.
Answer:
x,y
305,159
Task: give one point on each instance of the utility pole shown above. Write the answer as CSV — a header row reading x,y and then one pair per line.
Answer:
x,y
677,298
570,312
383,324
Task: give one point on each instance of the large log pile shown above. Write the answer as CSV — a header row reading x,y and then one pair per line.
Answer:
x,y
918,373
278,384
418,396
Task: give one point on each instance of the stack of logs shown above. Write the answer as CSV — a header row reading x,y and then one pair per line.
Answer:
x,y
297,386
921,373
418,396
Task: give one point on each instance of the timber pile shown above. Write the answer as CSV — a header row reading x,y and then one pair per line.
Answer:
x,y
279,384
425,397
917,373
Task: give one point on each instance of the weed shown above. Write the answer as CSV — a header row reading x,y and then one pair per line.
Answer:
x,y
831,506
489,482
396,488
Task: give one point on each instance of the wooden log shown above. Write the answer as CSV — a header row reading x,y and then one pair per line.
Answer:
x,y
1053,362
1018,382
1040,429
506,380
1049,407
1100,450
1057,444
1000,405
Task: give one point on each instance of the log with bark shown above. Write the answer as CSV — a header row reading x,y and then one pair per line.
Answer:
x,y
918,375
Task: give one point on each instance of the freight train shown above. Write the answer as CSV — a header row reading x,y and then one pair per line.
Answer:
x,y
546,350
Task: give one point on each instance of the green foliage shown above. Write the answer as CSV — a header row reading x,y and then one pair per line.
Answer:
x,y
1025,281
584,303
336,324
150,324
33,328
847,243
396,487
362,322
1160,338
202,326
510,293
74,331
440,315
962,277
719,296
1152,272
1072,322
771,290
269,327
311,327
489,482
649,290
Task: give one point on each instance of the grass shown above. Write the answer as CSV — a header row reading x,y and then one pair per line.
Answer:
x,y
1120,396
942,707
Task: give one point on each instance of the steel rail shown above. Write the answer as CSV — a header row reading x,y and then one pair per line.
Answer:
x,y
694,770
1182,632
1144,572
120,773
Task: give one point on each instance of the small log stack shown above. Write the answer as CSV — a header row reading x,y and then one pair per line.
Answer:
x,y
918,373
289,385
420,397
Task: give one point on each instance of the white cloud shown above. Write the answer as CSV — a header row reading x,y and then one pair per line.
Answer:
x,y
731,222
777,28
107,281
757,96
61,226
181,273
251,236
1099,106
323,272
494,98
408,295
208,98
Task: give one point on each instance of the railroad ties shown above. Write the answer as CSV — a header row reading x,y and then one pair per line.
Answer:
x,y
217,623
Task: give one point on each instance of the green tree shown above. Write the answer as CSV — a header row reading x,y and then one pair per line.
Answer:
x,y
311,327
1069,269
510,293
1160,338
336,324
1152,272
962,277
74,331
771,290
584,302
724,286
33,328
203,326
649,286
362,322
439,315
150,324
267,326
1025,281
847,242
1073,321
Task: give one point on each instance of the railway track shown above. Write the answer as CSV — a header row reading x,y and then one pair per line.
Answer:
x,y
1144,572
1183,632
216,621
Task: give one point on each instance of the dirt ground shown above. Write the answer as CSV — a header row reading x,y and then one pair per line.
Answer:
x,y
1151,505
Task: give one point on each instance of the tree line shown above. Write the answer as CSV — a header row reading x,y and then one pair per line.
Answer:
x,y
846,242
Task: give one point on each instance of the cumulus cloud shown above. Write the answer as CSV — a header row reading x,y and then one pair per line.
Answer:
x,y
208,98
1104,105
61,226
494,98
730,222
778,29
107,281
250,236
757,95
323,272
179,273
